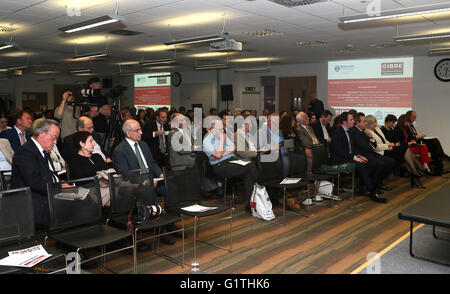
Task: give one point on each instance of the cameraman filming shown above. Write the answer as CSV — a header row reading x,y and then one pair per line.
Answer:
x,y
67,114
99,114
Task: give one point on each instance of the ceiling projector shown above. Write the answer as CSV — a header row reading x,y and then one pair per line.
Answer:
x,y
226,45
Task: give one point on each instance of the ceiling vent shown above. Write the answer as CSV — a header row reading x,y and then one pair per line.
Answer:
x,y
294,3
125,32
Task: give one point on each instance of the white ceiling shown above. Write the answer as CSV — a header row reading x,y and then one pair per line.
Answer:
x,y
42,44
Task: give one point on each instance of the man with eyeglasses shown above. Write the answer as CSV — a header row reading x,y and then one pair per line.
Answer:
x,y
132,154
32,167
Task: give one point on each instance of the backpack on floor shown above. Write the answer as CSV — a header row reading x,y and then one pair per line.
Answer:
x,y
260,203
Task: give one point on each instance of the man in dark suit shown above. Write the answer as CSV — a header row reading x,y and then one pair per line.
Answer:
x,y
32,167
365,146
84,123
315,105
132,153
322,127
343,151
17,135
155,135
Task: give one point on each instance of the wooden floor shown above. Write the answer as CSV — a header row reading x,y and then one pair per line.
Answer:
x,y
331,240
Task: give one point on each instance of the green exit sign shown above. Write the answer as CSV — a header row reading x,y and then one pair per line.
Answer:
x,y
250,89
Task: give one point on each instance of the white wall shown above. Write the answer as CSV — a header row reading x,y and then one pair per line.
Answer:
x,y
431,97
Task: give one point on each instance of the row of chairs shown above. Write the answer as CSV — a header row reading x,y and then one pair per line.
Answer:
x,y
79,224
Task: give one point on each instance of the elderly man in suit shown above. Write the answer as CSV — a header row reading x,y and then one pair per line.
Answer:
x,y
132,153
32,167
181,147
17,135
306,135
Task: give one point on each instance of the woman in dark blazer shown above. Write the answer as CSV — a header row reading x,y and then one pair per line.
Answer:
x,y
84,164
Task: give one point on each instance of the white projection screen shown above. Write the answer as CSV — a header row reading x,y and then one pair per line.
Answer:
x,y
152,90
372,86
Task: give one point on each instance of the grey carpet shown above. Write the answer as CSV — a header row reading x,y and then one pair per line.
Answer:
x,y
399,261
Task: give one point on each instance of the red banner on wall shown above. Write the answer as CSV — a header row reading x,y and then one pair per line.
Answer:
x,y
395,92
152,95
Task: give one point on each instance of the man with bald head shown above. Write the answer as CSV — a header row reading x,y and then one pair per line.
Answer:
x,y
133,153
85,124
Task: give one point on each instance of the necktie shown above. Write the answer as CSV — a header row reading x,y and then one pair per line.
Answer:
x,y
138,155
312,135
381,137
52,170
22,138
162,145
349,141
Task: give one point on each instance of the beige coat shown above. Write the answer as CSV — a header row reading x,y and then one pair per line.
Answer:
x,y
6,149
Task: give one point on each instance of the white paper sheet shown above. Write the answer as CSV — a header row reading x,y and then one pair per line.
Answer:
x,y
240,162
288,181
25,257
198,208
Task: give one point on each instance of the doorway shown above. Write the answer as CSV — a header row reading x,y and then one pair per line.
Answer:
x,y
295,92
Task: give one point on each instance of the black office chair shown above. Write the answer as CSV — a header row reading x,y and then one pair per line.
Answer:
x,y
207,170
5,180
125,192
183,190
77,222
271,173
17,228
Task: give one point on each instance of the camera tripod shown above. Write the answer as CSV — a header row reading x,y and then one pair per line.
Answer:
x,y
114,133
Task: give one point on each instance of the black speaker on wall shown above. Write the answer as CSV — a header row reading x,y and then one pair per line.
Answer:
x,y
107,83
268,81
226,92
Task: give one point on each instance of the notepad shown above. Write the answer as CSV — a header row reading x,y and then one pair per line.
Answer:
x,y
198,208
429,138
240,162
289,181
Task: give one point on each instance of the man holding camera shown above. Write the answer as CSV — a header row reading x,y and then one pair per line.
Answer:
x,y
67,114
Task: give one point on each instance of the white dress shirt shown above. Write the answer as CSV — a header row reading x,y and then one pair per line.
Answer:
x,y
132,143
41,150
325,132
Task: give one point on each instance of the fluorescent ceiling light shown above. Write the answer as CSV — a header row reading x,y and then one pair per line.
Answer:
x,y
155,48
211,54
438,51
91,55
418,10
92,23
6,46
18,67
157,61
200,39
81,70
211,66
422,37
193,19
257,69
255,59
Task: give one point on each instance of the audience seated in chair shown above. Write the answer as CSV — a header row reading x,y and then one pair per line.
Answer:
x,y
343,151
